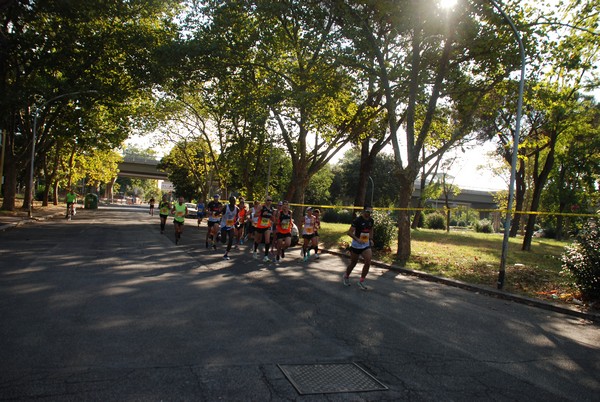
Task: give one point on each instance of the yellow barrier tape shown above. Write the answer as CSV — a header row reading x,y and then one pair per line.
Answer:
x,y
504,211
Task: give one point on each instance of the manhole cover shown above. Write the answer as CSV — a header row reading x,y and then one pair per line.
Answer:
x,y
330,378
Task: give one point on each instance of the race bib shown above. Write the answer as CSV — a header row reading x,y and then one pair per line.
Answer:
x,y
308,229
285,224
264,222
364,237
179,213
229,222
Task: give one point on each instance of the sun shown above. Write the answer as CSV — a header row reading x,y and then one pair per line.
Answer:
x,y
447,3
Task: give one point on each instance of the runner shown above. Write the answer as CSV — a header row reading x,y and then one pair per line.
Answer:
x,y
308,232
179,211
361,232
163,211
228,222
213,211
151,203
200,210
240,224
315,239
283,230
262,232
251,220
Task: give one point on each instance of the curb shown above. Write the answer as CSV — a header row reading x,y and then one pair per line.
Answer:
x,y
594,317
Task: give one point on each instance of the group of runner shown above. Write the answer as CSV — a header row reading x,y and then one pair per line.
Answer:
x,y
235,223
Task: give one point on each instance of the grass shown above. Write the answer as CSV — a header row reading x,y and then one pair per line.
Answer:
x,y
475,258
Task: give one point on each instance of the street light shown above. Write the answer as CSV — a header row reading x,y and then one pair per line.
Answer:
x,y
372,190
513,166
35,116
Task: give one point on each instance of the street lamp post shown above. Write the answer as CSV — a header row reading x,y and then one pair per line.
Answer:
x,y
34,133
517,132
372,190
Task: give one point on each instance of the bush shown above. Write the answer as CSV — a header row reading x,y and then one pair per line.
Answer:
x,y
385,229
581,261
338,216
435,220
484,226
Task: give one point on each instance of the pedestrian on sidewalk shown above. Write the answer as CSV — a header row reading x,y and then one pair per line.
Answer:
x,y
361,232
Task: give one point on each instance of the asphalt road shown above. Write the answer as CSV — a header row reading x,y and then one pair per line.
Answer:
x,y
106,308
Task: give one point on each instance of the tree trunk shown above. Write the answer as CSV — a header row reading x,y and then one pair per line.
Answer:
x,y
421,203
538,186
406,190
366,166
520,188
10,181
55,192
295,193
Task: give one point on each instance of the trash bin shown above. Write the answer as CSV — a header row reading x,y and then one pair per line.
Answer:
x,y
91,201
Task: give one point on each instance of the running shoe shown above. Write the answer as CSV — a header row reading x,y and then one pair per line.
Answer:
x,y
206,244
345,280
266,259
282,253
361,285
226,257
214,246
255,255
317,256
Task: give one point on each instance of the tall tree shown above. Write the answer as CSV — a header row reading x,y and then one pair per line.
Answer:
x,y
425,62
55,52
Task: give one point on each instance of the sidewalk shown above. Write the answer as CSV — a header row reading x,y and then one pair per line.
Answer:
x,y
10,219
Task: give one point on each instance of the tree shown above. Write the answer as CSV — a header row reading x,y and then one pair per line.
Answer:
x,y
52,49
422,62
188,169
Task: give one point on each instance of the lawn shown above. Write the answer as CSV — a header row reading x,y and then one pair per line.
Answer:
x,y
475,258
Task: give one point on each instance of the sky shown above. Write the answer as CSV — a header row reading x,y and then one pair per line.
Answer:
x,y
467,171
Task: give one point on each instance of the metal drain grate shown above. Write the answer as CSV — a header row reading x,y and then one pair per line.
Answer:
x,y
330,378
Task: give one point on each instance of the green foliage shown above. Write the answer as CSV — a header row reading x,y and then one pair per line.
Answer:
x,y
581,261
385,230
435,220
338,216
484,226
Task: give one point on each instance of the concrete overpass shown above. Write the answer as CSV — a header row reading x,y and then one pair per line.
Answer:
x,y
140,167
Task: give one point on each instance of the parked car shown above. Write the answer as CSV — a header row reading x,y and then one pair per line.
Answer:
x,y
192,210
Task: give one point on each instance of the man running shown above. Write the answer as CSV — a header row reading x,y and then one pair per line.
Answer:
x,y
213,211
283,230
361,232
262,232
200,211
315,239
240,224
151,203
179,211
308,232
163,212
228,221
